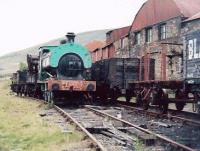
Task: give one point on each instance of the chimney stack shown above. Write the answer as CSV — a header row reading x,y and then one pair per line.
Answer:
x,y
70,37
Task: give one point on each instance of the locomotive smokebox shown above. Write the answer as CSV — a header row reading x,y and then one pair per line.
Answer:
x,y
70,37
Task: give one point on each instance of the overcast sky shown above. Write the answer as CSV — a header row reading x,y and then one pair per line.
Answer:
x,y
25,23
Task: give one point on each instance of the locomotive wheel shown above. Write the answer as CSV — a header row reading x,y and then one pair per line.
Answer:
x,y
88,98
45,97
51,98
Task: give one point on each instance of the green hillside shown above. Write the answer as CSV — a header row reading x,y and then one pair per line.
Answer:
x,y
10,62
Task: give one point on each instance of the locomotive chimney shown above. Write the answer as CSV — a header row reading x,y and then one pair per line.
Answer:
x,y
70,37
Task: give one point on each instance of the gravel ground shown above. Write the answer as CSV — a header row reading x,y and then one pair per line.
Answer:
x,y
90,120
118,140
180,132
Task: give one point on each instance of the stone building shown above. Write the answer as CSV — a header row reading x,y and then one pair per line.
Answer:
x,y
191,24
156,33
117,44
94,47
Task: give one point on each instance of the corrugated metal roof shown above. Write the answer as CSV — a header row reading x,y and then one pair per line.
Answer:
x,y
116,34
155,11
196,16
93,45
188,8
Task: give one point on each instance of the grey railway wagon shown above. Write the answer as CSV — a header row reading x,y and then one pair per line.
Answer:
x,y
192,64
116,72
113,76
192,58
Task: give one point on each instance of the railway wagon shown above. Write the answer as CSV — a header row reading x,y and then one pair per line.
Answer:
x,y
19,81
148,91
113,75
180,92
32,75
192,66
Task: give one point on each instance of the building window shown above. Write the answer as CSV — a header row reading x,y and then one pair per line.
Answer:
x,y
149,35
138,38
122,43
162,32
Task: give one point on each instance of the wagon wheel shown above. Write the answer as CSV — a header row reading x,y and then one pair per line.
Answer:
x,y
179,95
128,98
114,95
196,106
164,107
138,99
164,102
145,104
103,97
180,106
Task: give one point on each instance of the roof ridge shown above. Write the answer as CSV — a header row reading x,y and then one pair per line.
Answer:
x,y
180,10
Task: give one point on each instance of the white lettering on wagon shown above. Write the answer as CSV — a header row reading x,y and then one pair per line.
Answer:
x,y
193,52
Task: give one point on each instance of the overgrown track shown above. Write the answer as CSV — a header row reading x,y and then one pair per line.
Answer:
x,y
110,134
95,144
178,135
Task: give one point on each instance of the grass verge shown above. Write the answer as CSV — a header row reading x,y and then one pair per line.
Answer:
x,y
22,129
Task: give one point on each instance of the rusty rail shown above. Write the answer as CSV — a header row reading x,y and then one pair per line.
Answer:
x,y
98,145
173,143
189,121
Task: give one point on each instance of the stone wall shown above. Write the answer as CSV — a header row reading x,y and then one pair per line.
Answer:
x,y
122,47
190,26
168,59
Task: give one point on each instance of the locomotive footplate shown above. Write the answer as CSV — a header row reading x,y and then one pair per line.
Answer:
x,y
71,85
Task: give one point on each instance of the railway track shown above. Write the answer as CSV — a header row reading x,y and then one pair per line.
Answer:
x,y
182,116
108,135
180,136
112,128
94,142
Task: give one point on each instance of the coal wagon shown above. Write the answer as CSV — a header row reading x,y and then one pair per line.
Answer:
x,y
113,75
